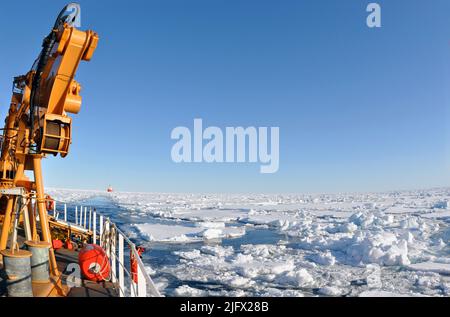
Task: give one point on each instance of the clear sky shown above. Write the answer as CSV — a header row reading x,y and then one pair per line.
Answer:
x,y
359,109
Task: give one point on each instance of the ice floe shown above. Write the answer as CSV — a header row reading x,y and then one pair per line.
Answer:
x,y
183,233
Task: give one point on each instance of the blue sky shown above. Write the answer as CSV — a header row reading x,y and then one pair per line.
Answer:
x,y
359,109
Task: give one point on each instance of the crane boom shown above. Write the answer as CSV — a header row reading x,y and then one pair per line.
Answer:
x,y
38,124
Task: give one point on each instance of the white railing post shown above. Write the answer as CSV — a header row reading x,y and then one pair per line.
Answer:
x,y
81,216
142,283
90,219
113,255
121,267
94,228
65,212
101,231
107,241
133,285
54,209
133,288
76,215
84,219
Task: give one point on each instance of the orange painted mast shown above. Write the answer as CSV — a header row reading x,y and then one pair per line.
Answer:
x,y
38,123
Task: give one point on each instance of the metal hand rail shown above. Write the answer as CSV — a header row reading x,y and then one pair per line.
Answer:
x,y
109,233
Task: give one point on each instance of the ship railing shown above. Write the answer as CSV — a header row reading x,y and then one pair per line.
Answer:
x,y
106,233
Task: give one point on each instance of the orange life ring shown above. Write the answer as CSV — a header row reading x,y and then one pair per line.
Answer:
x,y
49,202
94,263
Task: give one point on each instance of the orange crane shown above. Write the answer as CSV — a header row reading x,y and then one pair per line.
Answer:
x,y
38,124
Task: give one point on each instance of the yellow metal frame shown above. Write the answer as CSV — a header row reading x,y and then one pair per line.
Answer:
x,y
58,94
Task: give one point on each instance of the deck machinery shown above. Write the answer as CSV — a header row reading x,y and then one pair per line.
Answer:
x,y
38,125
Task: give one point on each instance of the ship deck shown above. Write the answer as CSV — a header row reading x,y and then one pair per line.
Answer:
x,y
84,288
87,288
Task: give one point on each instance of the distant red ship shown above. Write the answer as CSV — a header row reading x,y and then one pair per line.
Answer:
x,y
109,189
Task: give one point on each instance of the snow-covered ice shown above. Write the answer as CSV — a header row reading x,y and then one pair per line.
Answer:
x,y
443,268
179,233
371,244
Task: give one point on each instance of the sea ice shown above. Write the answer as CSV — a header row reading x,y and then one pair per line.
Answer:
x,y
350,244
